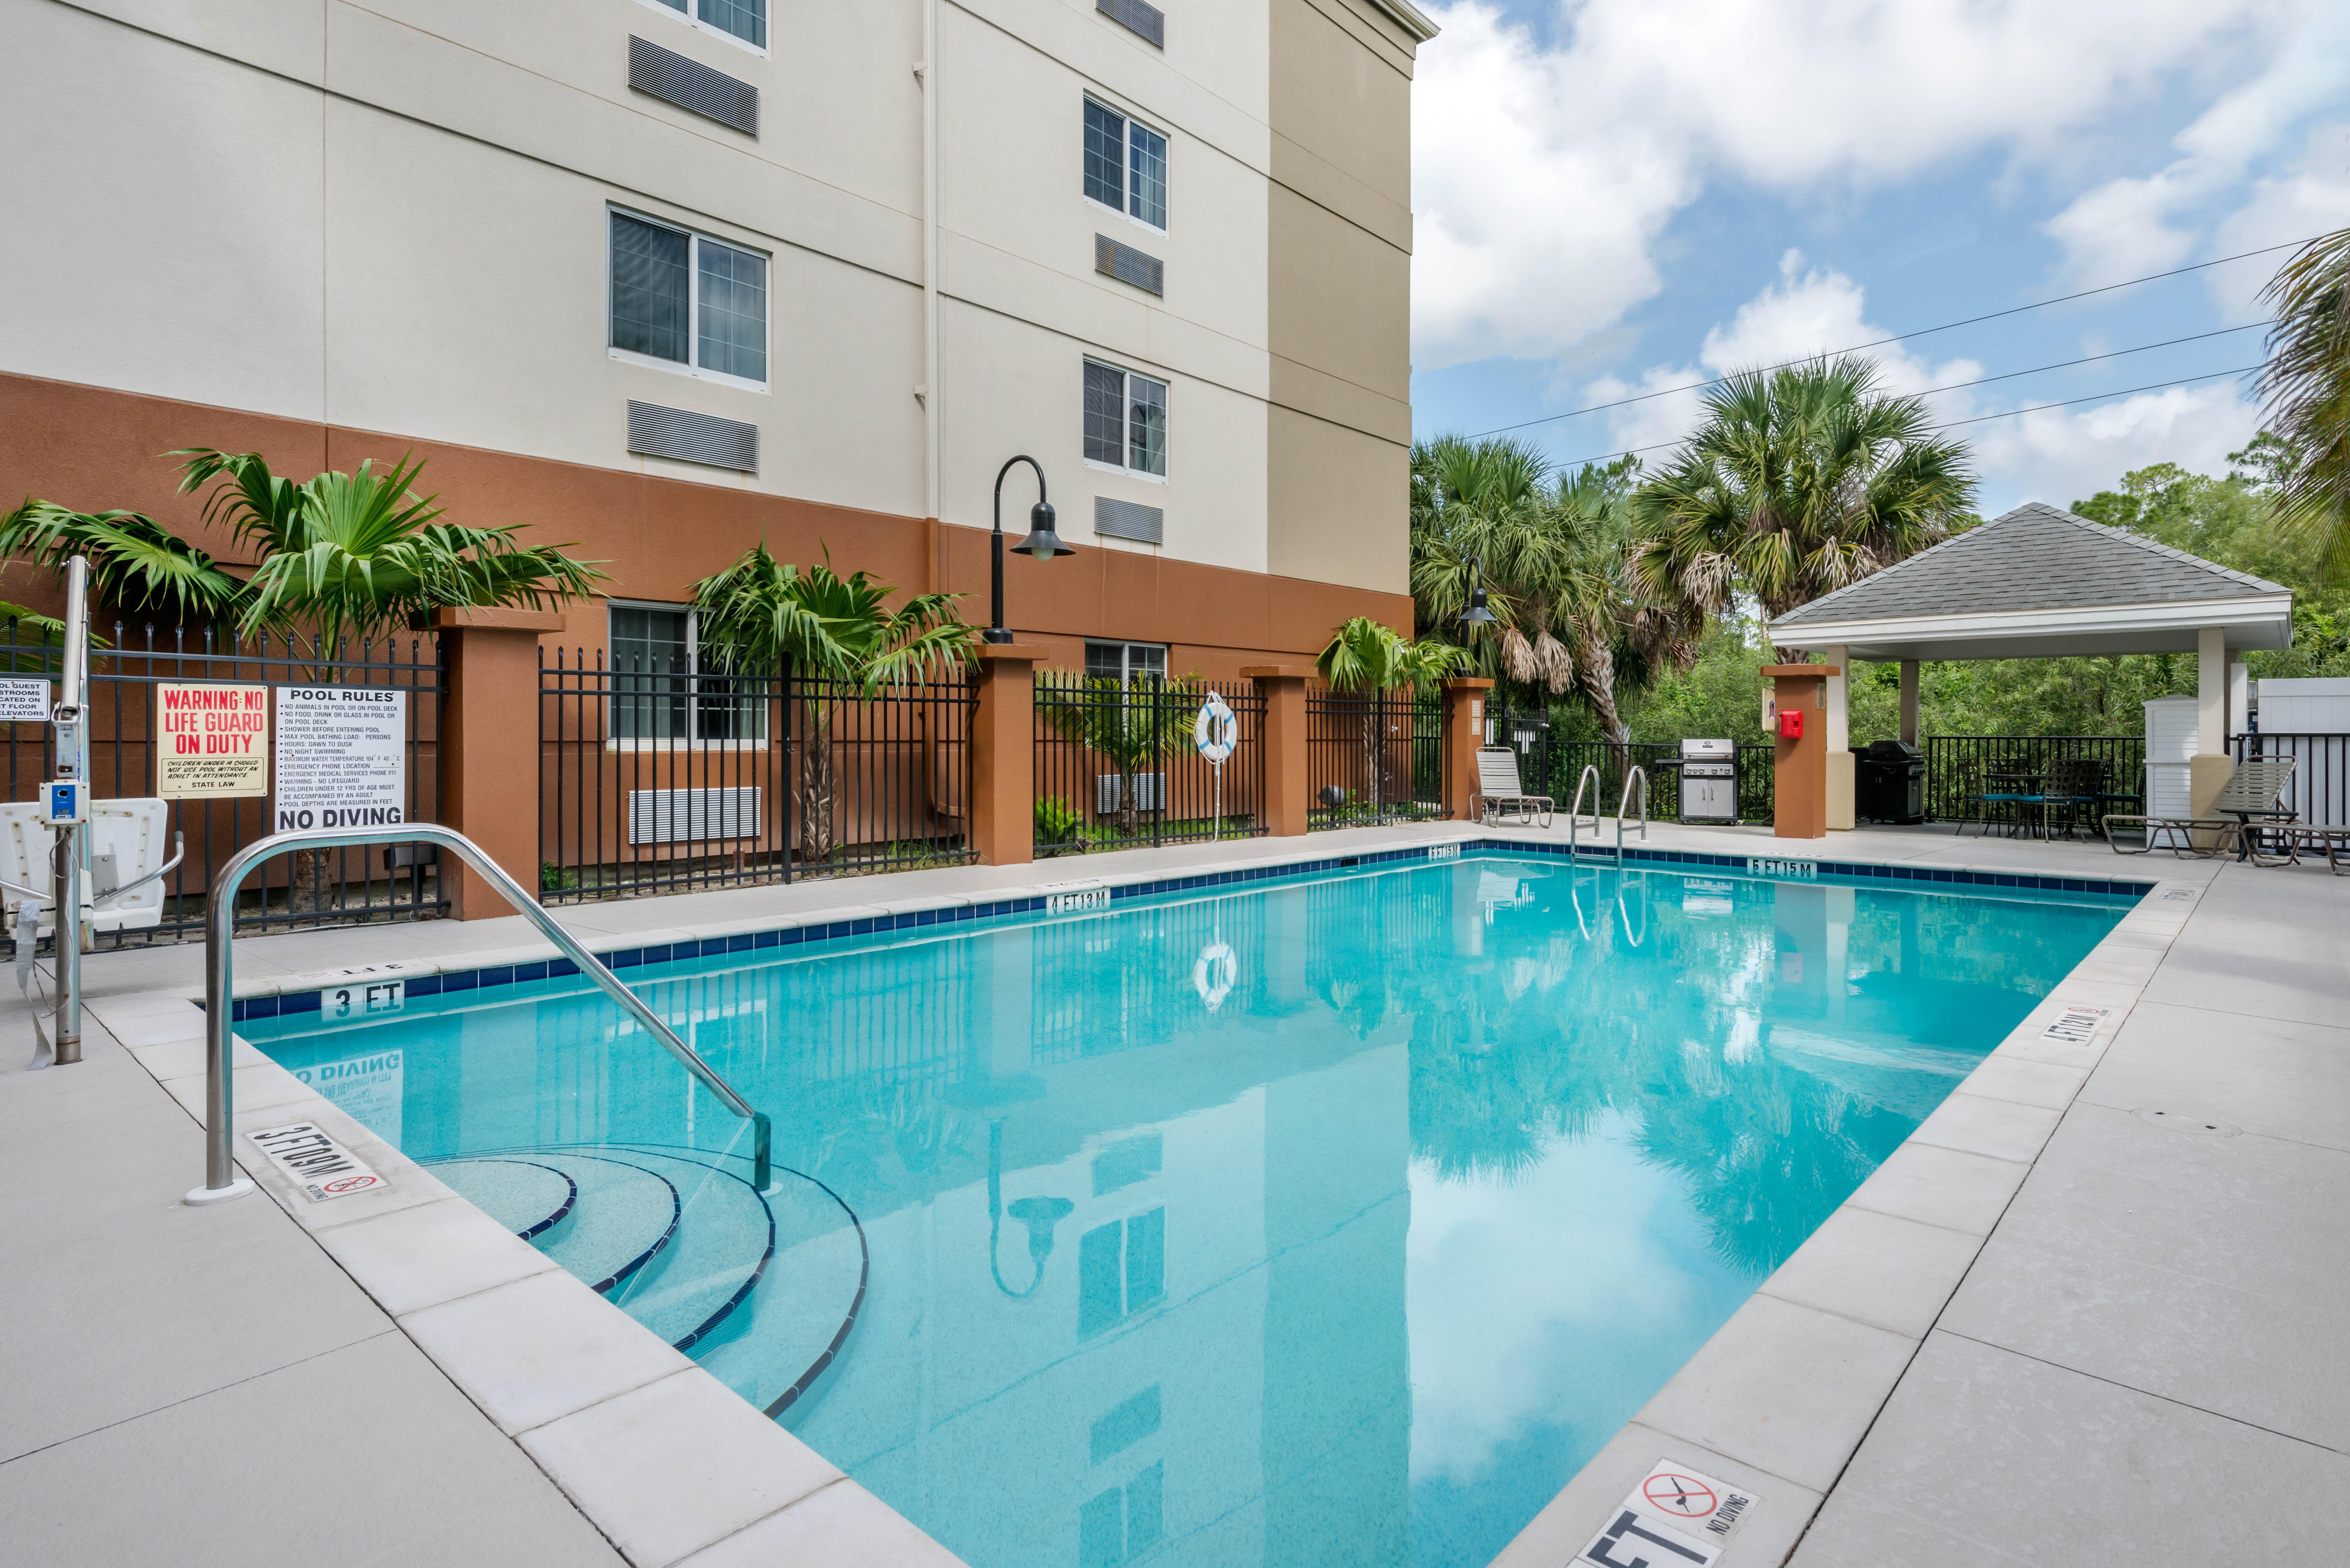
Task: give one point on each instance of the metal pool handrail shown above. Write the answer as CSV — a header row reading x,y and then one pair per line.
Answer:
x,y
1590,775
1626,799
221,1181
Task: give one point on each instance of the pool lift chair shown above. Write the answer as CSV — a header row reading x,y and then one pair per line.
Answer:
x,y
2251,791
1499,792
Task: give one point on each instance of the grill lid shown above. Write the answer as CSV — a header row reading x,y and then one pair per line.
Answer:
x,y
1709,751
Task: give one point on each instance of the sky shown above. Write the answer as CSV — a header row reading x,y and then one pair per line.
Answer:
x,y
1620,197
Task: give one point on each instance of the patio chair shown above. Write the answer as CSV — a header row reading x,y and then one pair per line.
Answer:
x,y
2075,785
1500,794
2291,838
2251,791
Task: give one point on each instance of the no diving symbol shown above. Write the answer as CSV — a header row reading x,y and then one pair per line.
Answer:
x,y
1678,1496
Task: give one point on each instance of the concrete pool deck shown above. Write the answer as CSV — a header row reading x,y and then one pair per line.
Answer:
x,y
2137,1365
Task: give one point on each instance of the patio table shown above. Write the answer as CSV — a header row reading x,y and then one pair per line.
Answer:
x,y
2023,792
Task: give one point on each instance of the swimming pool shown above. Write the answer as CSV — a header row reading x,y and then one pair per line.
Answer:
x,y
1336,1219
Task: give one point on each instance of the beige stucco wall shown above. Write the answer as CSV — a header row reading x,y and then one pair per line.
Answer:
x,y
393,218
1339,283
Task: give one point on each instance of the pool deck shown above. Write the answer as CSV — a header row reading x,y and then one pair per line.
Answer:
x,y
2089,1313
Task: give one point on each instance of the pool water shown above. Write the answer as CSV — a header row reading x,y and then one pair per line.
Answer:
x,y
1331,1221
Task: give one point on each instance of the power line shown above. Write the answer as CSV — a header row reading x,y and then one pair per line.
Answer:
x,y
2091,359
1896,337
1953,424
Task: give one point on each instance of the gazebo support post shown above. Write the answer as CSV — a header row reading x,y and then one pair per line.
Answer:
x,y
1909,701
1837,722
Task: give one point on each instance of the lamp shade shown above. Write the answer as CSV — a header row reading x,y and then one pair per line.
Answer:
x,y
1042,542
1477,614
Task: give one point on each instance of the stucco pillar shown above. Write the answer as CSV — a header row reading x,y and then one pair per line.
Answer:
x,y
1003,755
2211,692
1909,701
489,748
1799,766
1288,796
1836,698
2239,695
1464,732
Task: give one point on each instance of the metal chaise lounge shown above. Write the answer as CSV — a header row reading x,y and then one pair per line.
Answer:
x,y
1498,792
2251,791
2290,839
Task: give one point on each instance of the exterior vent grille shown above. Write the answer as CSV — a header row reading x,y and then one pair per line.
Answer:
x,y
1125,519
1148,22
1127,265
690,84
658,431
693,816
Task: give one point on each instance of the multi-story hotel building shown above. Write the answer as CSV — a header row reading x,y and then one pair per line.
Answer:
x,y
661,277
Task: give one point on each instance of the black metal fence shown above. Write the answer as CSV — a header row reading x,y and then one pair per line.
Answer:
x,y
1116,765
342,887
2320,791
1960,770
1373,757
656,778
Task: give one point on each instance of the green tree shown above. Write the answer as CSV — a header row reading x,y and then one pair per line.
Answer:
x,y
761,616
1798,481
1131,726
2306,384
1366,656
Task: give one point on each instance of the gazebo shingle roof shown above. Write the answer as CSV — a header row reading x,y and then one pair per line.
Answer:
x,y
2035,557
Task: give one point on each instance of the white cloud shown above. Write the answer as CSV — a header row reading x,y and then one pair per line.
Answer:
x,y
1544,179
2313,197
2131,226
2063,456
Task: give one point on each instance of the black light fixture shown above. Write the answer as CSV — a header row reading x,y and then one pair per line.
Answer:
x,y
1477,614
1042,544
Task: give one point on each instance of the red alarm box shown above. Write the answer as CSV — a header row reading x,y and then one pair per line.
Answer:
x,y
1790,724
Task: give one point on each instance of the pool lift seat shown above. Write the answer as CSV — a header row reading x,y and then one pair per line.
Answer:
x,y
127,864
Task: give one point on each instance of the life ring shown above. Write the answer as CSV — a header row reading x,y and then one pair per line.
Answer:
x,y
1213,976
1217,731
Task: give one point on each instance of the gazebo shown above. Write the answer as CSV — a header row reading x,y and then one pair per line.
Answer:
x,y
2035,583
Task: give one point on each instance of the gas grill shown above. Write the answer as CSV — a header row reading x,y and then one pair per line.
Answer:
x,y
1709,781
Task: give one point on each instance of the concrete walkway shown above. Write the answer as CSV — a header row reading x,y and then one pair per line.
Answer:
x,y
2143,1365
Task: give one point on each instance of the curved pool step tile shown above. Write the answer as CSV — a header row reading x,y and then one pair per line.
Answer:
x,y
528,1197
627,1215
805,1306
715,1262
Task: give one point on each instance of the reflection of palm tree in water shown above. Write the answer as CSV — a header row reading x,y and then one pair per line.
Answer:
x,y
1525,1045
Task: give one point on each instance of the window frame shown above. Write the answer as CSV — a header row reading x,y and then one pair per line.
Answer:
x,y
1126,162
690,16
1126,648
696,701
695,240
1126,421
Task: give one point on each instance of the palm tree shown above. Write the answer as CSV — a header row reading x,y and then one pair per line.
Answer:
x,y
338,556
2307,388
761,616
1798,481
1131,727
1366,655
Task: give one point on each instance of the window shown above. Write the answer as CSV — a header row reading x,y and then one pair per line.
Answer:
x,y
659,691
1121,1269
1125,662
687,299
1125,420
1117,1526
1126,165
744,19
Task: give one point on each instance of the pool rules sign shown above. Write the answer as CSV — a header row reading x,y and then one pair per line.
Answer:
x,y
342,757
212,740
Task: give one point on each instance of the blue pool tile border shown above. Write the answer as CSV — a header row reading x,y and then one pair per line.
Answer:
x,y
493,975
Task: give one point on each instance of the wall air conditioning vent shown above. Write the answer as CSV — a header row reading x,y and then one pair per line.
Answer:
x,y
689,84
1148,22
693,816
680,433
1125,519
1127,265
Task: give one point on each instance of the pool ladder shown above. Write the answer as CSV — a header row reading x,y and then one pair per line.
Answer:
x,y
1574,813
221,1181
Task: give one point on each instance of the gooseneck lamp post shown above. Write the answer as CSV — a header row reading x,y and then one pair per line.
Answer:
x,y
1477,614
1042,544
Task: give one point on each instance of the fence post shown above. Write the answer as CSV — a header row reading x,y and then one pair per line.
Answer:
x,y
489,747
1003,755
1288,797
1464,732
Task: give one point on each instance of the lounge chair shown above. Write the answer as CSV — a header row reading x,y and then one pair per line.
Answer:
x,y
2251,791
1498,792
2288,840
